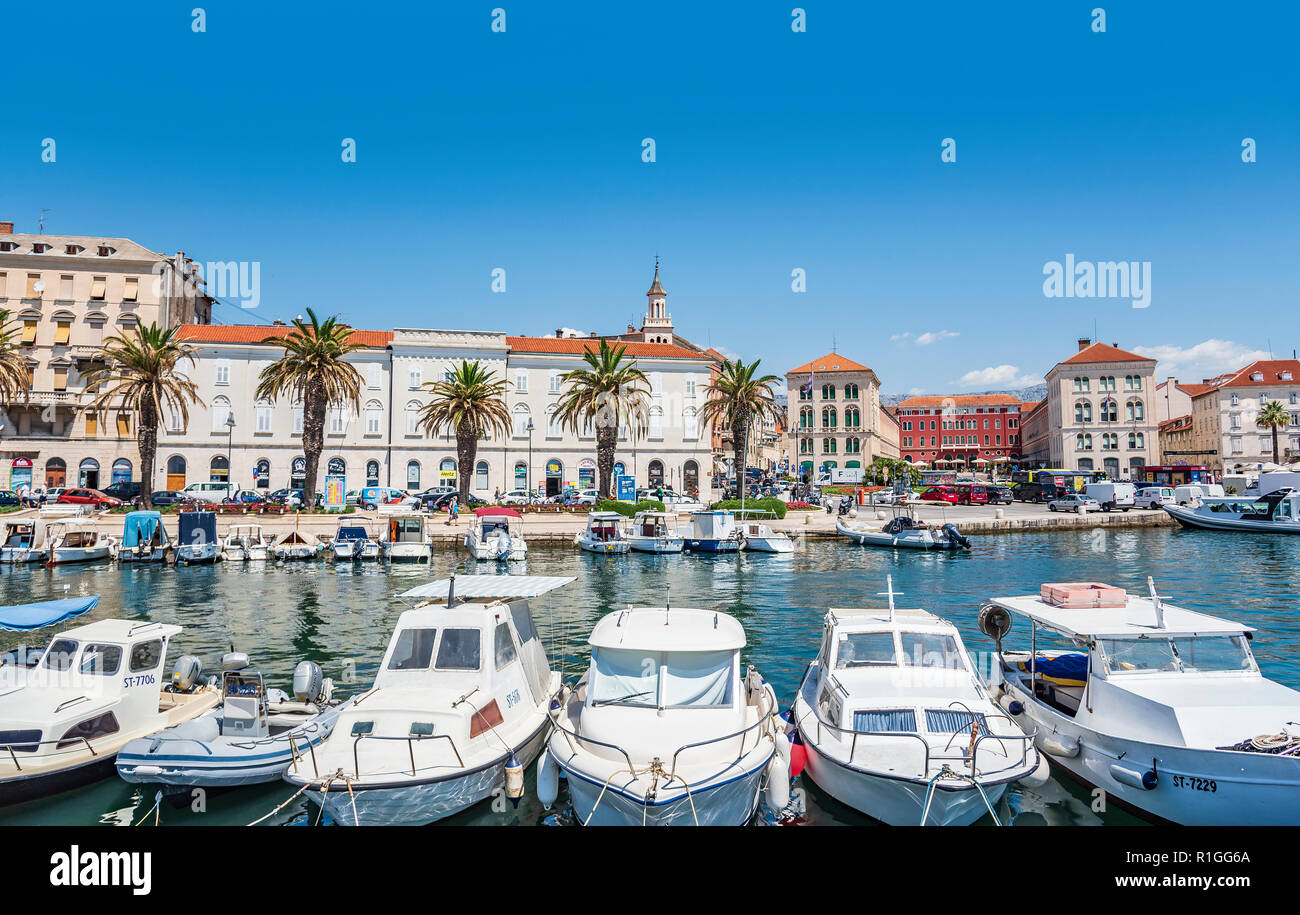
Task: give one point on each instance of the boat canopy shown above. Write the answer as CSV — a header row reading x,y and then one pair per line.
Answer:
x,y
204,524
352,532
23,617
1135,619
140,527
496,510
664,629
489,587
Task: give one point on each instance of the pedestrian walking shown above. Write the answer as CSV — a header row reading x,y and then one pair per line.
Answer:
x,y
454,508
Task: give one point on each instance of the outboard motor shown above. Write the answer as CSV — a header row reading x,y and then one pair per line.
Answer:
x,y
308,682
186,673
234,660
955,536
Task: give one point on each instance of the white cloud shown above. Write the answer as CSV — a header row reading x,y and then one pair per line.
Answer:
x,y
569,332
1203,360
903,336
934,336
997,377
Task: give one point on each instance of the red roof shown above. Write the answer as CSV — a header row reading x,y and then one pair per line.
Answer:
x,y
1271,369
256,333
576,346
959,400
1177,424
1104,352
831,362
1195,390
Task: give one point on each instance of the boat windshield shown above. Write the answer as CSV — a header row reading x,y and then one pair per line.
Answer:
x,y
866,649
60,654
1190,654
930,649
667,679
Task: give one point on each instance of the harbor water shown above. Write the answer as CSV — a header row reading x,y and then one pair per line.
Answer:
x,y
342,614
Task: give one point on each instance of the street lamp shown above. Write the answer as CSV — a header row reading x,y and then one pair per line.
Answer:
x,y
230,438
528,471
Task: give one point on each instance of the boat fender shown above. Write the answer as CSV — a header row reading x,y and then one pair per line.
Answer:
x,y
548,778
798,754
1133,777
1016,707
514,779
1060,745
778,785
783,750
186,673
1040,776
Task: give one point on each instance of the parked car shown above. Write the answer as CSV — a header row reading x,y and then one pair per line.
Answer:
x,y
371,497
972,494
52,495
1154,497
1038,492
292,497
88,497
164,497
125,490
9,497
941,494
519,497
440,503
247,497
213,491
1000,495
1071,501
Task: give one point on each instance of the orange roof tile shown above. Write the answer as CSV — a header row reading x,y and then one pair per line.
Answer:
x,y
1271,369
1195,390
1104,352
959,400
831,362
576,346
256,333
1177,424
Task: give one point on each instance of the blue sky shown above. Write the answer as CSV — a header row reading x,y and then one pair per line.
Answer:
x,y
775,150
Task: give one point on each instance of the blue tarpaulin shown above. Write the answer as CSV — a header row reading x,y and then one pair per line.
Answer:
x,y
139,527
22,617
198,527
1069,668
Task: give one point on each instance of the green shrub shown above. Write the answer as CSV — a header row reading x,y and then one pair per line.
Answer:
x,y
628,509
776,506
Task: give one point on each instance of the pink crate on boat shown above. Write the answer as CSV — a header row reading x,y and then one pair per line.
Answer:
x,y
1083,595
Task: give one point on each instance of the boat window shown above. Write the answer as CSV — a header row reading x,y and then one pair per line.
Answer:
x,y
101,659
678,679
866,649
930,649
413,650
1190,654
146,655
624,677
362,728
697,679
523,618
947,721
459,650
1214,652
59,655
421,728
505,646
1129,656
875,720
90,729
25,741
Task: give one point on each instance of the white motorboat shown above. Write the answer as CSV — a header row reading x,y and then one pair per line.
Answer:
x,y
904,532
293,545
1163,708
245,542
662,729
604,534
196,540
457,711
77,541
94,687
654,532
405,537
496,534
144,538
252,737
1277,512
897,724
759,537
712,532
353,540
25,540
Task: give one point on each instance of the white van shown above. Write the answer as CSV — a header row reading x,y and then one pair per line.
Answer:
x,y
1193,493
210,491
1112,494
1154,497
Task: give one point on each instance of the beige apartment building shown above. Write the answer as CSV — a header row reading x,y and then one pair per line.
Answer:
x,y
1100,411
834,415
65,295
1224,410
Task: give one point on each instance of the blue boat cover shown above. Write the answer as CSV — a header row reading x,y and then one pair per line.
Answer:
x,y
352,533
139,527
22,617
1069,668
202,523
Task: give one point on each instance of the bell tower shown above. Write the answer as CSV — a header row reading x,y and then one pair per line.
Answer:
x,y
658,324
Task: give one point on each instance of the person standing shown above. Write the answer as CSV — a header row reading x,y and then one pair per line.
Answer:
x,y
454,508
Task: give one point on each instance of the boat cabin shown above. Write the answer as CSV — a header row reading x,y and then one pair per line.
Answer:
x,y
602,527
78,534
24,534
493,520
351,532
713,525
404,528
654,524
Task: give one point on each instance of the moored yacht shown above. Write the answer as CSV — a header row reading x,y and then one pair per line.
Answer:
x,y
496,534
712,532
1276,512
457,711
25,540
654,532
196,540
144,538
603,534
353,540
904,532
293,545
405,537
245,542
663,729
758,537
77,541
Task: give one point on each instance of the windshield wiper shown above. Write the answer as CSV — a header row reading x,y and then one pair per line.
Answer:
x,y
622,698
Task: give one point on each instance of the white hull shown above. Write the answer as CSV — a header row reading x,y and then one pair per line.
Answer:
x,y
517,551
769,544
726,803
1193,517
656,544
18,555
240,554
607,547
196,553
347,552
70,554
408,552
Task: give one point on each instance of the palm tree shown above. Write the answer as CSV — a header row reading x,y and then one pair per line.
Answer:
x,y
15,371
471,403
314,372
1273,416
738,398
143,376
606,394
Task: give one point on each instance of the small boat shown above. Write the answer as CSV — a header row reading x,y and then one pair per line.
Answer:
x,y
902,531
1277,512
353,540
77,541
67,711
897,724
495,534
293,545
197,541
662,729
603,534
1162,708
405,537
252,737
458,709
759,537
713,532
144,538
245,542
25,540
654,532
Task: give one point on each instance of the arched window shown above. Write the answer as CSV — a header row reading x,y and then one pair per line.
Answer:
x,y
88,473
554,429
691,478
805,417
828,392
519,421
56,473
1085,463
176,472
337,467
121,471
262,474
481,476
656,472
412,417
374,418
656,422
372,473
690,423
447,473
220,413
828,417
1083,442
1109,410
521,475
1136,441
219,469
413,476
262,417
298,472
553,382
1082,411
1133,411
337,421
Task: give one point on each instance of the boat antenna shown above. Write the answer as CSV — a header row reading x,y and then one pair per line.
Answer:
x,y
451,589
889,586
1155,602
668,601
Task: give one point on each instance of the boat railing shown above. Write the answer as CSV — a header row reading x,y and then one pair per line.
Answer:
x,y
26,747
411,740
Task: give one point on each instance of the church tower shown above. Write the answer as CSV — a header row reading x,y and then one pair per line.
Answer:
x,y
658,324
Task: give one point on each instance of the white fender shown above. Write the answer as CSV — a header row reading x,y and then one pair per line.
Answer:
x,y
1040,776
1134,778
778,784
783,749
548,778
514,779
1060,745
